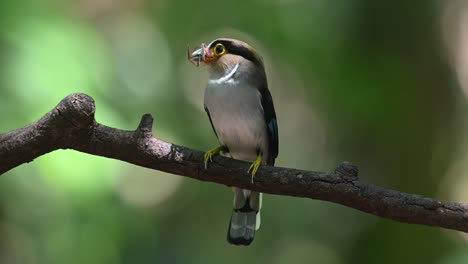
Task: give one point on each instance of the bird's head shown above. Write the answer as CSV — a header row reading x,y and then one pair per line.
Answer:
x,y
222,54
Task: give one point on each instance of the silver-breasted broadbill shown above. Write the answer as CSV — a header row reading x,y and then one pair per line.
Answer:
x,y
240,108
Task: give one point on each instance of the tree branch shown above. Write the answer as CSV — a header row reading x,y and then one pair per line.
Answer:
x,y
71,125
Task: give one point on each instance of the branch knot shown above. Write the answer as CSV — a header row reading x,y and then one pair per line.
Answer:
x,y
145,128
347,170
78,109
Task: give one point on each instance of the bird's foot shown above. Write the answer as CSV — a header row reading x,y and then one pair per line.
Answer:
x,y
210,153
255,165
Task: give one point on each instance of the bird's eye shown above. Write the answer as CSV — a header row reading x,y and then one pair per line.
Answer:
x,y
219,49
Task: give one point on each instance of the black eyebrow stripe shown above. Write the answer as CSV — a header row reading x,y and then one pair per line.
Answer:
x,y
237,50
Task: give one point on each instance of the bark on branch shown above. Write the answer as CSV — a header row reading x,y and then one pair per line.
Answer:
x,y
71,125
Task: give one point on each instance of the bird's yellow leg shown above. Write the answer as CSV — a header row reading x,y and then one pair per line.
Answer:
x,y
210,153
256,165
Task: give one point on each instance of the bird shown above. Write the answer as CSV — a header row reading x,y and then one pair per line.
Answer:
x,y
240,108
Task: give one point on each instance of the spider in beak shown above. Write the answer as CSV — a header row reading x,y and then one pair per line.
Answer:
x,y
201,54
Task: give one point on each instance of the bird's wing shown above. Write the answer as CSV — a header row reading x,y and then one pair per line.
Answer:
x,y
211,121
271,123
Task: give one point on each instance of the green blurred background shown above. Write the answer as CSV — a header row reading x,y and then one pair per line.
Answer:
x,y
373,82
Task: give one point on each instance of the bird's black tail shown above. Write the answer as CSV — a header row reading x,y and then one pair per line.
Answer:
x,y
245,218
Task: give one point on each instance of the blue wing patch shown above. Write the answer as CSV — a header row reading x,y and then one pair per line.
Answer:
x,y
272,125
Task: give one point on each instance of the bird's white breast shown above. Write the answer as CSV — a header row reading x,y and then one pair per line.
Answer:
x,y
237,115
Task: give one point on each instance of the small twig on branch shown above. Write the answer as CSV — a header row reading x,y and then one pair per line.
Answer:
x,y
71,125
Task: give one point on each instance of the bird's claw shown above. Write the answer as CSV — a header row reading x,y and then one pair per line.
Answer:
x,y
255,166
210,153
